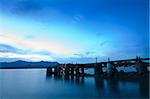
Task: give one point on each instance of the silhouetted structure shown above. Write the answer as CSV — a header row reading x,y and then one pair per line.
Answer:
x,y
78,69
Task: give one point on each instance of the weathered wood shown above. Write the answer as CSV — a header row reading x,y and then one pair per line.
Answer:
x,y
72,70
78,69
67,70
55,71
98,69
49,71
119,63
59,71
82,71
111,70
140,67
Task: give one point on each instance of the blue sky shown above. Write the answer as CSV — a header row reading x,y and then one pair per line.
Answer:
x,y
73,30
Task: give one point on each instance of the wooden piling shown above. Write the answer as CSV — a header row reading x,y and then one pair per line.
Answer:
x,y
59,71
110,72
67,70
82,70
77,71
49,71
140,66
72,70
98,69
55,71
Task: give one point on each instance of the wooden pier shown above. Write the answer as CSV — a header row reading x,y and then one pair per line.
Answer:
x,y
79,69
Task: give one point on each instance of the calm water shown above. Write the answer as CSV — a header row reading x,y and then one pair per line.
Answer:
x,y
33,84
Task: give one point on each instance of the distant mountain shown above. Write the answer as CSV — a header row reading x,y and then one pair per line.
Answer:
x,y
24,64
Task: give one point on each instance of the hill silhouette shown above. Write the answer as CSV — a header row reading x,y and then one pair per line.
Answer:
x,y
25,64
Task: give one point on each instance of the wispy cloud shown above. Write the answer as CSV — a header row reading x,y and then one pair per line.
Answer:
x,y
85,54
89,53
8,52
79,55
77,18
41,10
31,57
14,46
36,45
8,48
103,43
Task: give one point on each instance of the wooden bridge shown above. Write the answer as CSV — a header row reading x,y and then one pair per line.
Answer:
x,y
78,69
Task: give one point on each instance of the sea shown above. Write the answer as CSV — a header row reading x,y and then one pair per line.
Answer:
x,y
34,84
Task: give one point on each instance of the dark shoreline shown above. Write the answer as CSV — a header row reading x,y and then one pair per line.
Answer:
x,y
24,68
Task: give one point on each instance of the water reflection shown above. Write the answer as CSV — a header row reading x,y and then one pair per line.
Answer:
x,y
99,83
73,79
144,87
34,84
113,88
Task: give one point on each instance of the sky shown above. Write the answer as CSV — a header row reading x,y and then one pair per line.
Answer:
x,y
73,31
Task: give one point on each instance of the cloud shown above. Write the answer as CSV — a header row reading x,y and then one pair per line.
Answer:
x,y
10,53
14,46
4,48
86,54
41,52
31,57
89,53
79,55
35,45
103,43
8,48
37,10
77,18
16,6
25,6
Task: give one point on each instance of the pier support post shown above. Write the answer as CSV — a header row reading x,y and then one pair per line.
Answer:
x,y
98,69
49,71
55,71
82,70
110,70
72,70
67,71
140,66
58,71
77,71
